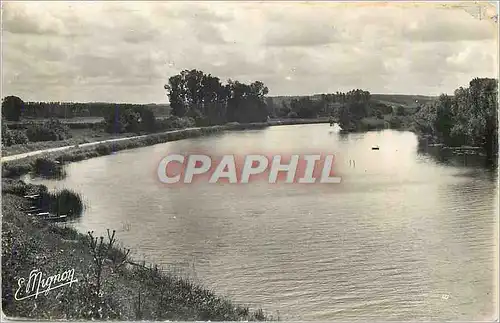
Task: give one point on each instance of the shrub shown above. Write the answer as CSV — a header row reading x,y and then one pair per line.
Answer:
x,y
66,202
16,187
293,115
103,149
395,122
14,137
47,168
19,137
63,202
52,130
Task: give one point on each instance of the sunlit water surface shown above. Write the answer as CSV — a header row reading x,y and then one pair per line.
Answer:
x,y
403,237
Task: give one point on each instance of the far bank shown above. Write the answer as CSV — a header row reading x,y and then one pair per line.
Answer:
x,y
22,164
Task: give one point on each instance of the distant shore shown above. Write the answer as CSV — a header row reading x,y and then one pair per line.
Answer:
x,y
21,164
30,149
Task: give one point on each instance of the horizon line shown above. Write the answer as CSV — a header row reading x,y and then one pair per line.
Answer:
x,y
267,96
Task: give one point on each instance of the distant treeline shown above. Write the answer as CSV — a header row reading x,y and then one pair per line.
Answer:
x,y
353,103
208,101
13,108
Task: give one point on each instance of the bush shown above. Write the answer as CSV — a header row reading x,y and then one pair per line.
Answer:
x,y
66,202
202,122
16,187
174,122
47,168
395,123
103,149
19,137
400,111
123,118
293,115
14,137
52,130
20,188
15,168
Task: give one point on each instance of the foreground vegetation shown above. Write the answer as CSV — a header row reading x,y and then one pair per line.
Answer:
x,y
110,285
64,202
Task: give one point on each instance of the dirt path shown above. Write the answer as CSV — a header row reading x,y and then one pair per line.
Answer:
x,y
89,144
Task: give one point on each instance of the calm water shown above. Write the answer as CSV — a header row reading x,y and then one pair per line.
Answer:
x,y
403,237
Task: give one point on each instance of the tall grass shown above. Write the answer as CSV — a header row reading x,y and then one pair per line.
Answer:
x,y
128,292
66,202
20,188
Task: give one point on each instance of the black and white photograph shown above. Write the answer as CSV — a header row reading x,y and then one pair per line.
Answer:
x,y
211,161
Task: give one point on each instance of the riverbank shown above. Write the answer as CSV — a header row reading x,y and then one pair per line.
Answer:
x,y
88,138
407,123
128,291
22,164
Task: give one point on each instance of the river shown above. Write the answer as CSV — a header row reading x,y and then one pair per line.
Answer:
x,y
405,236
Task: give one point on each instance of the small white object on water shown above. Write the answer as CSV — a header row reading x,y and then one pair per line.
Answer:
x,y
174,217
445,296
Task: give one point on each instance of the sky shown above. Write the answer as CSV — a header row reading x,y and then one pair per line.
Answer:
x,y
126,51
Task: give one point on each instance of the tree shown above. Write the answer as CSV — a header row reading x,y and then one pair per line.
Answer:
x,y
467,118
123,118
176,95
12,108
204,98
479,116
443,122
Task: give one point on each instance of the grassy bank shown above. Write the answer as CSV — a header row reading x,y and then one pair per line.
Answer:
x,y
110,286
88,135
79,136
26,165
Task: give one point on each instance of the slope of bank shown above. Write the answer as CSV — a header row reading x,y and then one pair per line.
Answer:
x,y
21,164
33,148
128,291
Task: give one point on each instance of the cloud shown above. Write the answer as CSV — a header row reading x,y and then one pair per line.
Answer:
x,y
297,35
126,51
444,25
19,20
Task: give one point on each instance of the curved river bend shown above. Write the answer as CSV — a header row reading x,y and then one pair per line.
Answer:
x,y
403,237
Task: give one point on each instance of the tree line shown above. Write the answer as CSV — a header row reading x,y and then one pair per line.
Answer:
x,y
469,117
14,108
205,98
321,105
